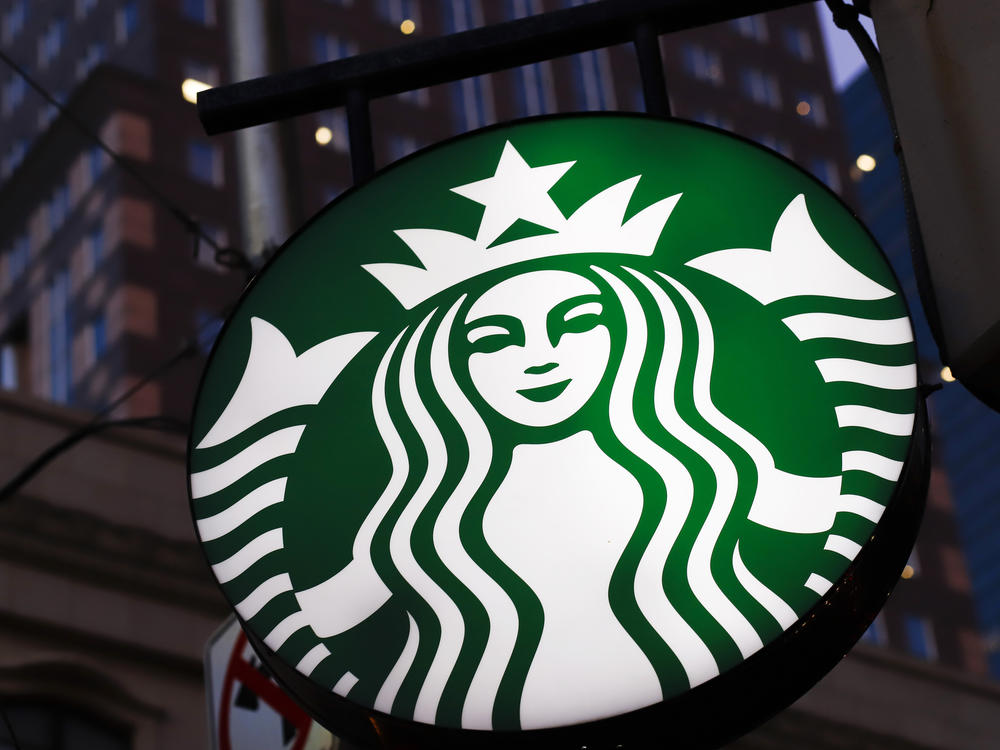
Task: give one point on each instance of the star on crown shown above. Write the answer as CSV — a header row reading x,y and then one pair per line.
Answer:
x,y
519,191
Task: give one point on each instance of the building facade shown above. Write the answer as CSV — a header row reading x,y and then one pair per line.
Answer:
x,y
967,432
107,602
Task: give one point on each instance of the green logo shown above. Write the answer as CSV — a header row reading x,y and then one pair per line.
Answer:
x,y
552,422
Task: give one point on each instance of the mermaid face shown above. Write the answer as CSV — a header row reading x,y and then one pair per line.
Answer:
x,y
540,348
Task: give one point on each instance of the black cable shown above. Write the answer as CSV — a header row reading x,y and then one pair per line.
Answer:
x,y
223,256
846,17
10,727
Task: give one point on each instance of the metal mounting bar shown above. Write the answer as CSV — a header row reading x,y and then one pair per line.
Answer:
x,y
456,56
654,83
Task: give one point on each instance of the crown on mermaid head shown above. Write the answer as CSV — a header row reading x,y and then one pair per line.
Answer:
x,y
519,191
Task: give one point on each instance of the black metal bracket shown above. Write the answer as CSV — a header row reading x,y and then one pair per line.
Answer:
x,y
469,53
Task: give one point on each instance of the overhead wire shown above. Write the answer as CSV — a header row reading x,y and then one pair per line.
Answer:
x,y
224,256
847,17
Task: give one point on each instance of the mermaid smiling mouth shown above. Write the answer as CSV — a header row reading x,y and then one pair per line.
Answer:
x,y
545,392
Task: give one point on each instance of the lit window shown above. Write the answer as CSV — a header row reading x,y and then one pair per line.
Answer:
x,y
751,27
811,107
702,64
920,637
334,120
126,21
326,47
798,42
592,80
199,11
205,163
13,21
826,170
60,338
760,87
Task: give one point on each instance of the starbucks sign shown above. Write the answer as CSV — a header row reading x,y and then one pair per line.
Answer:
x,y
573,431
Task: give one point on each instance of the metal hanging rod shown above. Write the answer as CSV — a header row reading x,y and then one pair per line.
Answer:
x,y
468,53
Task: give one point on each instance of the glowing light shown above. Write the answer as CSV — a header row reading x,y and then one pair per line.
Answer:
x,y
191,87
803,108
323,135
946,375
407,26
866,162
907,573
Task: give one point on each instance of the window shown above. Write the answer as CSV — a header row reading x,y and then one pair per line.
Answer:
x,y
41,726
60,338
199,11
205,163
204,72
93,248
708,117
760,87
13,94
523,8
14,156
534,90
17,260
327,47
206,253
96,161
51,41
95,55
58,208
8,367
592,80
876,633
419,97
401,145
207,327
702,64
798,42
775,144
826,170
83,8
13,21
395,11
99,337
920,637
461,15
336,121
751,27
126,21
472,101
811,107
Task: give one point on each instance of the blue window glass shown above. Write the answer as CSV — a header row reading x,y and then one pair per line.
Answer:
x,y
199,11
100,340
205,162
919,637
60,338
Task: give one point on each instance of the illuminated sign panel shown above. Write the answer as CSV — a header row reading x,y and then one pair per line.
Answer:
x,y
569,428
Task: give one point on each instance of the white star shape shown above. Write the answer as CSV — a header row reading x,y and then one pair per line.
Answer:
x,y
515,191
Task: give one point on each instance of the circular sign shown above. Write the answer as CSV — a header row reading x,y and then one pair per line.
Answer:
x,y
576,428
